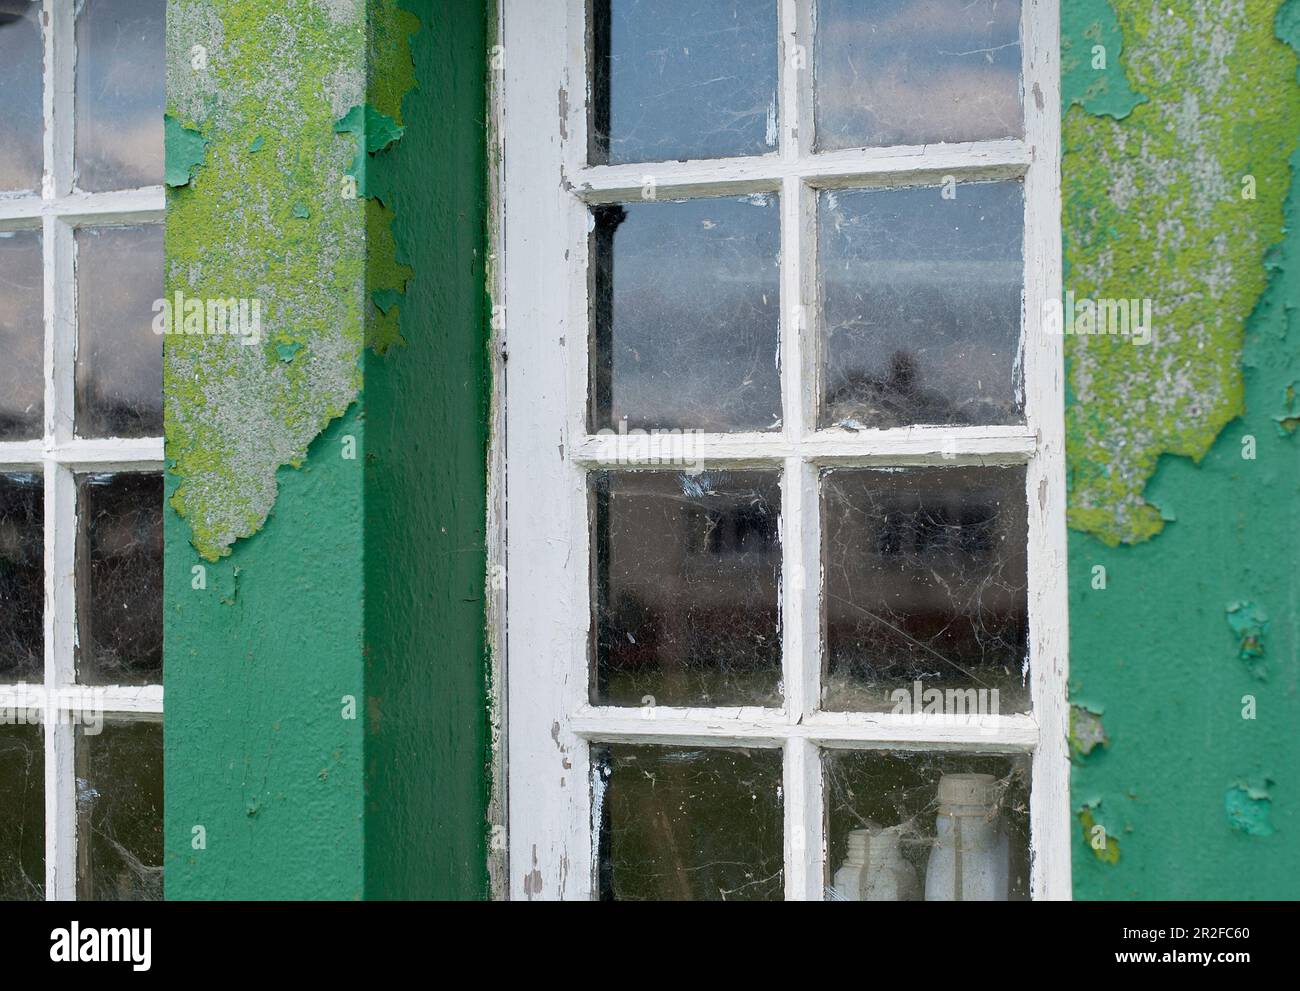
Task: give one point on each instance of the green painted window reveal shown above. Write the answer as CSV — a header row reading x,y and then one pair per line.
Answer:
x,y
81,449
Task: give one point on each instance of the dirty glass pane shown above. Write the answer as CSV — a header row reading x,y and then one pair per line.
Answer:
x,y
686,571
921,301
901,72
680,79
120,809
22,579
21,125
22,809
119,357
120,94
924,589
685,302
119,579
22,333
926,826
688,823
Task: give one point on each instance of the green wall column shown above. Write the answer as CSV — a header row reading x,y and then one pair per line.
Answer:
x,y
325,657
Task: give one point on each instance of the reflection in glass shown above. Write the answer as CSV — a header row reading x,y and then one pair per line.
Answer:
x,y
686,572
119,357
932,826
22,333
688,823
685,313
22,579
680,79
925,579
119,94
120,810
22,811
921,300
21,123
898,72
119,579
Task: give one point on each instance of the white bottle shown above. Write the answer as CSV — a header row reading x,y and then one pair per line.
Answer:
x,y
874,869
969,861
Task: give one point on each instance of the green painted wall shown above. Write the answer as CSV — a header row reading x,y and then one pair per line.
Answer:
x,y
426,486
1196,109
327,159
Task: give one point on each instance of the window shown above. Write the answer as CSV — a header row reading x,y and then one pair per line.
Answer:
x,y
81,451
784,555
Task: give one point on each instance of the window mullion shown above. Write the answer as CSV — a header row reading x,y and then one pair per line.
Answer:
x,y
804,841
61,332
791,78
60,58
60,566
60,783
60,810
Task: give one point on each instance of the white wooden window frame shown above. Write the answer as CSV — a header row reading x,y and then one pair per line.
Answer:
x,y
58,211
546,188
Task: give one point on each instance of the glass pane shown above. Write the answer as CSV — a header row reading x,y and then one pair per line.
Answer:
x,y
120,94
921,301
22,809
901,72
686,304
119,579
680,79
932,826
924,590
120,810
22,580
22,131
119,357
688,823
687,572
22,333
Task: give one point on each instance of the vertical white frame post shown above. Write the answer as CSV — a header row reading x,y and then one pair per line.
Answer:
x,y
57,210
547,190
549,829
1049,798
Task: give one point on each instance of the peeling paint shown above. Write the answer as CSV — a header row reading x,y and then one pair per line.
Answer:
x,y
1247,808
1104,846
373,133
183,149
1086,731
1155,209
1249,623
235,415
1092,74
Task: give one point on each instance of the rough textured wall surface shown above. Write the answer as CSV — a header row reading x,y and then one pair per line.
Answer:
x,y
264,643
264,216
325,669
1179,157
